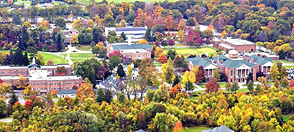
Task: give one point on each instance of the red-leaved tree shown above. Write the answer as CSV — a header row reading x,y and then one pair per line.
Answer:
x,y
28,105
162,59
200,77
171,42
117,53
212,85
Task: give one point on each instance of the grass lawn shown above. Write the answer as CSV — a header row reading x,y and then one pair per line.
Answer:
x,y
289,67
222,84
81,55
157,64
84,47
196,51
196,129
64,54
56,59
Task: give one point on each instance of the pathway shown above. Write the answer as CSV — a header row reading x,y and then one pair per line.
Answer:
x,y
8,119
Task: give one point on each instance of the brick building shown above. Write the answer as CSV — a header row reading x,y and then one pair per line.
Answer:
x,y
234,67
131,51
236,44
41,78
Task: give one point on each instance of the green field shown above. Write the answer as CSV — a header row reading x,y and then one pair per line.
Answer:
x,y
221,84
289,67
56,59
115,1
196,129
80,56
195,51
84,47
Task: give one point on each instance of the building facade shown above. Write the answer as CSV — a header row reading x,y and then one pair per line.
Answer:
x,y
131,51
236,44
132,33
234,67
41,78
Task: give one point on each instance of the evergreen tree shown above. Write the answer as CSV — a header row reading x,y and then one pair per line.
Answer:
x,y
108,96
11,57
123,35
250,86
26,59
121,98
18,57
120,71
249,78
59,102
24,36
97,35
7,61
13,99
76,100
59,42
176,80
100,95
148,36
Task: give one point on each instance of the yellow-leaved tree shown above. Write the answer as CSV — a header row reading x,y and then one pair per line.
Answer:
x,y
85,91
168,73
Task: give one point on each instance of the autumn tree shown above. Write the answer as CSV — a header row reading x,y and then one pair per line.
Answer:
x,y
200,76
274,72
169,22
143,41
162,59
212,85
158,51
228,86
168,73
250,86
85,90
74,39
182,25
22,83
5,88
216,74
178,127
284,82
189,79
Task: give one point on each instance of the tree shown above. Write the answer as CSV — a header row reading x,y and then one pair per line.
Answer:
x,y
123,23
121,98
108,21
283,72
228,86
178,127
50,63
284,82
200,77
189,79
4,88
274,72
108,96
168,74
60,22
61,70
59,102
163,122
13,99
85,90
250,86
114,61
88,69
120,71
68,102
169,22
224,34
182,25
171,54
123,35
216,74
148,36
212,85
28,105
158,51
235,86
76,100
74,39
143,41
22,82
40,59
59,42
171,42
3,108
162,59
100,96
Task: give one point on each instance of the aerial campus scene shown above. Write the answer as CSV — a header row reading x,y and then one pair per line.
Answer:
x,y
147,65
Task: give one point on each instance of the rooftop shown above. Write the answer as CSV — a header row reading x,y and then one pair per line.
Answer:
x,y
238,41
125,46
235,63
198,61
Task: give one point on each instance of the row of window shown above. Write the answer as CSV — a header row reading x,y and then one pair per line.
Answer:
x,y
14,72
52,88
54,83
252,70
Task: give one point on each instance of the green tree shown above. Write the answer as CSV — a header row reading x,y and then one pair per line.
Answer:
x,y
123,36
13,99
235,86
108,21
250,86
284,82
60,22
163,122
120,71
114,61
108,96
59,102
148,36
121,98
171,54
76,100
3,108
100,96
216,74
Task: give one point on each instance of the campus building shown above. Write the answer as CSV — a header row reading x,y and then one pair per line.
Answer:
x,y
234,67
131,51
41,78
239,45
133,33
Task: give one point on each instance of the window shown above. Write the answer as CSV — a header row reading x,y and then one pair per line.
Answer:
x,y
232,72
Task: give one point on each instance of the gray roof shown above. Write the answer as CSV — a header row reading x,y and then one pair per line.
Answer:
x,y
229,63
198,61
260,60
72,91
132,46
221,58
219,129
